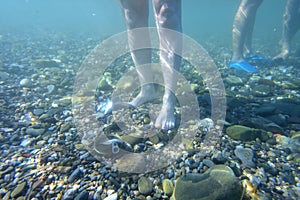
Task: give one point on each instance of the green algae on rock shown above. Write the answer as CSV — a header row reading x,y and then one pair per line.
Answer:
x,y
244,133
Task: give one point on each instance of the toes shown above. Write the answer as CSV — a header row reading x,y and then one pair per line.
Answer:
x,y
169,124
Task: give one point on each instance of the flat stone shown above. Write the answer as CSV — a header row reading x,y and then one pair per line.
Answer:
x,y
25,82
65,127
273,127
245,155
7,196
145,186
244,133
265,110
218,182
46,63
18,190
167,187
113,196
261,91
208,163
234,80
296,135
38,111
82,195
35,131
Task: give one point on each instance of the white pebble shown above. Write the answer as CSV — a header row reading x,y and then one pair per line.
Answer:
x,y
113,196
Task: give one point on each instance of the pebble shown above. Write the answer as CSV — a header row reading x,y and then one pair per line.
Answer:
x,y
50,88
167,187
19,190
113,196
25,82
26,142
70,194
35,131
234,80
76,174
145,186
245,155
208,163
82,195
38,112
218,158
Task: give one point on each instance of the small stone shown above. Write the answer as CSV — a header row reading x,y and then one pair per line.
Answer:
x,y
208,163
50,88
35,131
79,147
218,158
167,187
145,186
261,90
7,196
154,139
113,196
47,63
26,142
75,175
296,135
19,190
234,80
245,155
65,127
82,195
38,112
25,82
274,128
69,194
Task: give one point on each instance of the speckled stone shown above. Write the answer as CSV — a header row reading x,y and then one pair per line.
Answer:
x,y
217,183
145,186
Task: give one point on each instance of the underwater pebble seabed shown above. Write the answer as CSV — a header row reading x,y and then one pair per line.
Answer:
x,y
257,156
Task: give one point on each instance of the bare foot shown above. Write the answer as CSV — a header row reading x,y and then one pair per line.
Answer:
x,y
147,94
166,117
282,56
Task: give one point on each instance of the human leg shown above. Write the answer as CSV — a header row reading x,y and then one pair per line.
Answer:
x,y
136,13
291,25
243,28
168,17
250,28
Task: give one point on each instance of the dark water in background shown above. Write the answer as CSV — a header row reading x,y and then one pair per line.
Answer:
x,y
202,19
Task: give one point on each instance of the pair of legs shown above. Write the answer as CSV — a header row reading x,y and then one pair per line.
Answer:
x,y
167,16
242,30
291,24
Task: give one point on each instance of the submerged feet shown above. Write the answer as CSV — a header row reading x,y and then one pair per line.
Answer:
x,y
146,95
282,56
166,118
